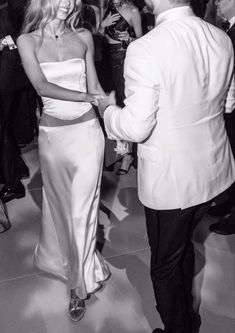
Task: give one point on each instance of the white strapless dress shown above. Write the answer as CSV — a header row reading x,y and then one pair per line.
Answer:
x,y
71,158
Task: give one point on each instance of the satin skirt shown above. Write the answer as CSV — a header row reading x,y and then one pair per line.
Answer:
x,y
71,159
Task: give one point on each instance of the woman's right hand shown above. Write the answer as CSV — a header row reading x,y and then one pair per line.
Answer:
x,y
94,98
109,20
109,99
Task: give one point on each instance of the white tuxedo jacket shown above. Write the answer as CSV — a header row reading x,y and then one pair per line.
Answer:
x,y
178,81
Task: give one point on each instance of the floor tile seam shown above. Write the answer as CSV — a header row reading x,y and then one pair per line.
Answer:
x,y
126,253
19,278
34,189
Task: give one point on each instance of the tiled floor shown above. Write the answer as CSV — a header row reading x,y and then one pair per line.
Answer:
x,y
33,302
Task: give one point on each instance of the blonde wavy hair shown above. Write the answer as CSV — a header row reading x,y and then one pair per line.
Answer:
x,y
41,12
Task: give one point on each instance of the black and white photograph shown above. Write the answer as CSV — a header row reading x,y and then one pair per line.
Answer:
x,y
117,166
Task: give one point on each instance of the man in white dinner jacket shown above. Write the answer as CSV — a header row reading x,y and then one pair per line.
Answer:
x,y
179,82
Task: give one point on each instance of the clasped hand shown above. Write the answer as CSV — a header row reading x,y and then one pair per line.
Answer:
x,y
102,101
105,101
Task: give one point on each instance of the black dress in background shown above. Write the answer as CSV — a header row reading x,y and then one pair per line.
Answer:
x,y
116,53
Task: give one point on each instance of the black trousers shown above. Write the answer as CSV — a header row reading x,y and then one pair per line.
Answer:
x,y
172,263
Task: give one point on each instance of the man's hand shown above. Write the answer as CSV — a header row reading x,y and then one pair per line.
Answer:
x,y
105,102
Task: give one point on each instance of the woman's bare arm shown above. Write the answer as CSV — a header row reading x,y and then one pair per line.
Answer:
x,y
136,21
27,46
93,84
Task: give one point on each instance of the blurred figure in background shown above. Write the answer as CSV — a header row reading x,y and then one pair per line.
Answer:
x,y
226,225
121,25
199,7
17,101
210,12
91,15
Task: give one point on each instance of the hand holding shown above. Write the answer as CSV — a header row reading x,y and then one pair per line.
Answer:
x,y
105,102
95,98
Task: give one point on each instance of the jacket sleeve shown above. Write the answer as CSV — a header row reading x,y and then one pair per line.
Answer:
x,y
138,117
230,98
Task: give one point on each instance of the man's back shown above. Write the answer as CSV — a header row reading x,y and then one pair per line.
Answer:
x,y
187,158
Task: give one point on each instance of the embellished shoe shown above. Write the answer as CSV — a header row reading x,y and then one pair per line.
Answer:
x,y
77,308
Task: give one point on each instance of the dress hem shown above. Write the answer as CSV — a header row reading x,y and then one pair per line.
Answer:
x,y
65,278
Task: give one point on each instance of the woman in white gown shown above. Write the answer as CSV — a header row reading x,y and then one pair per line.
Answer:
x,y
59,62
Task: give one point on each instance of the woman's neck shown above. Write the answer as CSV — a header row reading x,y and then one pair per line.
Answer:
x,y
55,28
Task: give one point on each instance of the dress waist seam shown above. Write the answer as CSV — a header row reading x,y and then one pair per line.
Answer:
x,y
49,121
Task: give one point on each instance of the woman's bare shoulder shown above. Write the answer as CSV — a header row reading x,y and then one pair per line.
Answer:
x,y
133,9
30,38
83,33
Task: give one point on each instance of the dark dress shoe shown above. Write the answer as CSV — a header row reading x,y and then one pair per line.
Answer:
x,y
219,210
158,330
24,174
7,194
225,226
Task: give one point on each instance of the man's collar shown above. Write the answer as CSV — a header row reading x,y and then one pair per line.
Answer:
x,y
174,14
231,22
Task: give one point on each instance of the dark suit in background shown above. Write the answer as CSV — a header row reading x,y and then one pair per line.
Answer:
x,y
230,127
226,225
17,103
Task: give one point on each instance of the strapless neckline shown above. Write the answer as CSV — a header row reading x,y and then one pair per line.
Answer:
x,y
69,74
59,62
